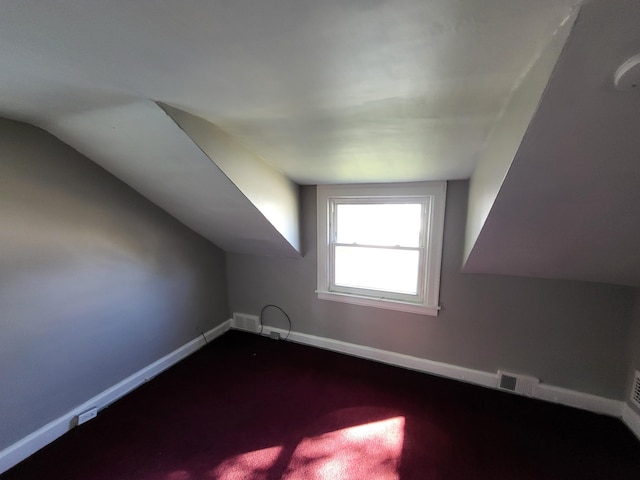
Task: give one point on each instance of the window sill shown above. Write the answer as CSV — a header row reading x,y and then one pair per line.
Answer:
x,y
379,303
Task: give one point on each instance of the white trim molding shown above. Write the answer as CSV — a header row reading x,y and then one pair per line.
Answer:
x,y
378,303
576,399
631,419
549,393
14,454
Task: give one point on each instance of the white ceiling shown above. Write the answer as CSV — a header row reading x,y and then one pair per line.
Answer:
x,y
325,91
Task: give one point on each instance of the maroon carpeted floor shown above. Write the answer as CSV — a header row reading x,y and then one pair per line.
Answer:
x,y
247,407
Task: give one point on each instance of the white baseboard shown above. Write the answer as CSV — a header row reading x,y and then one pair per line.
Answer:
x,y
581,400
631,419
475,377
572,398
33,442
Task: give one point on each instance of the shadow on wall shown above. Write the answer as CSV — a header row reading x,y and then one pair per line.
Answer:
x,y
95,281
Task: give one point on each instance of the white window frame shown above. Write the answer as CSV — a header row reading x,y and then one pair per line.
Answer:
x,y
431,195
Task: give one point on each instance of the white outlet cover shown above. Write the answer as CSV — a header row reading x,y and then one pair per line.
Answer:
x,y
88,415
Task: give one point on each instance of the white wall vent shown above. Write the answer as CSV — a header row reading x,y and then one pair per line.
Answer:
x,y
244,321
635,390
515,383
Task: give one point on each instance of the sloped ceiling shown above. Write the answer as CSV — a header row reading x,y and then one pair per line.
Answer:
x,y
569,206
323,91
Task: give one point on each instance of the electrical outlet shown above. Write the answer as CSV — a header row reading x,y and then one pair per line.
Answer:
x,y
274,335
88,415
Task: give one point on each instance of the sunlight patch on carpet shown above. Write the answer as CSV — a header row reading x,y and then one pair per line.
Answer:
x,y
372,450
253,465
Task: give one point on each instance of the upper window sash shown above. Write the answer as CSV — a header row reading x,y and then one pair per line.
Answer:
x,y
423,201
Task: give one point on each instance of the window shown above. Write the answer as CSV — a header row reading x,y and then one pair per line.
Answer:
x,y
381,245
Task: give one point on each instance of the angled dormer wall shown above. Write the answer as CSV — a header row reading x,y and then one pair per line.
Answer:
x,y
273,194
568,207
507,134
143,146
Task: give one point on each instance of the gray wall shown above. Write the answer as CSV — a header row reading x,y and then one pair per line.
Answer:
x,y
634,350
569,334
95,281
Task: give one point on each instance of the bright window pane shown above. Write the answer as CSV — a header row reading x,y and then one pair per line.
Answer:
x,y
379,224
377,269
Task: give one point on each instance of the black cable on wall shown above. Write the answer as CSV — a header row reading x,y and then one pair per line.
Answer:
x,y
284,313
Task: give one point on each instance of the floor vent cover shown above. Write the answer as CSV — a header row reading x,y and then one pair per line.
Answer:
x,y
508,382
635,390
512,382
244,321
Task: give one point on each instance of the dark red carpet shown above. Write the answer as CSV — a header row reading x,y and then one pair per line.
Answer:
x,y
247,407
